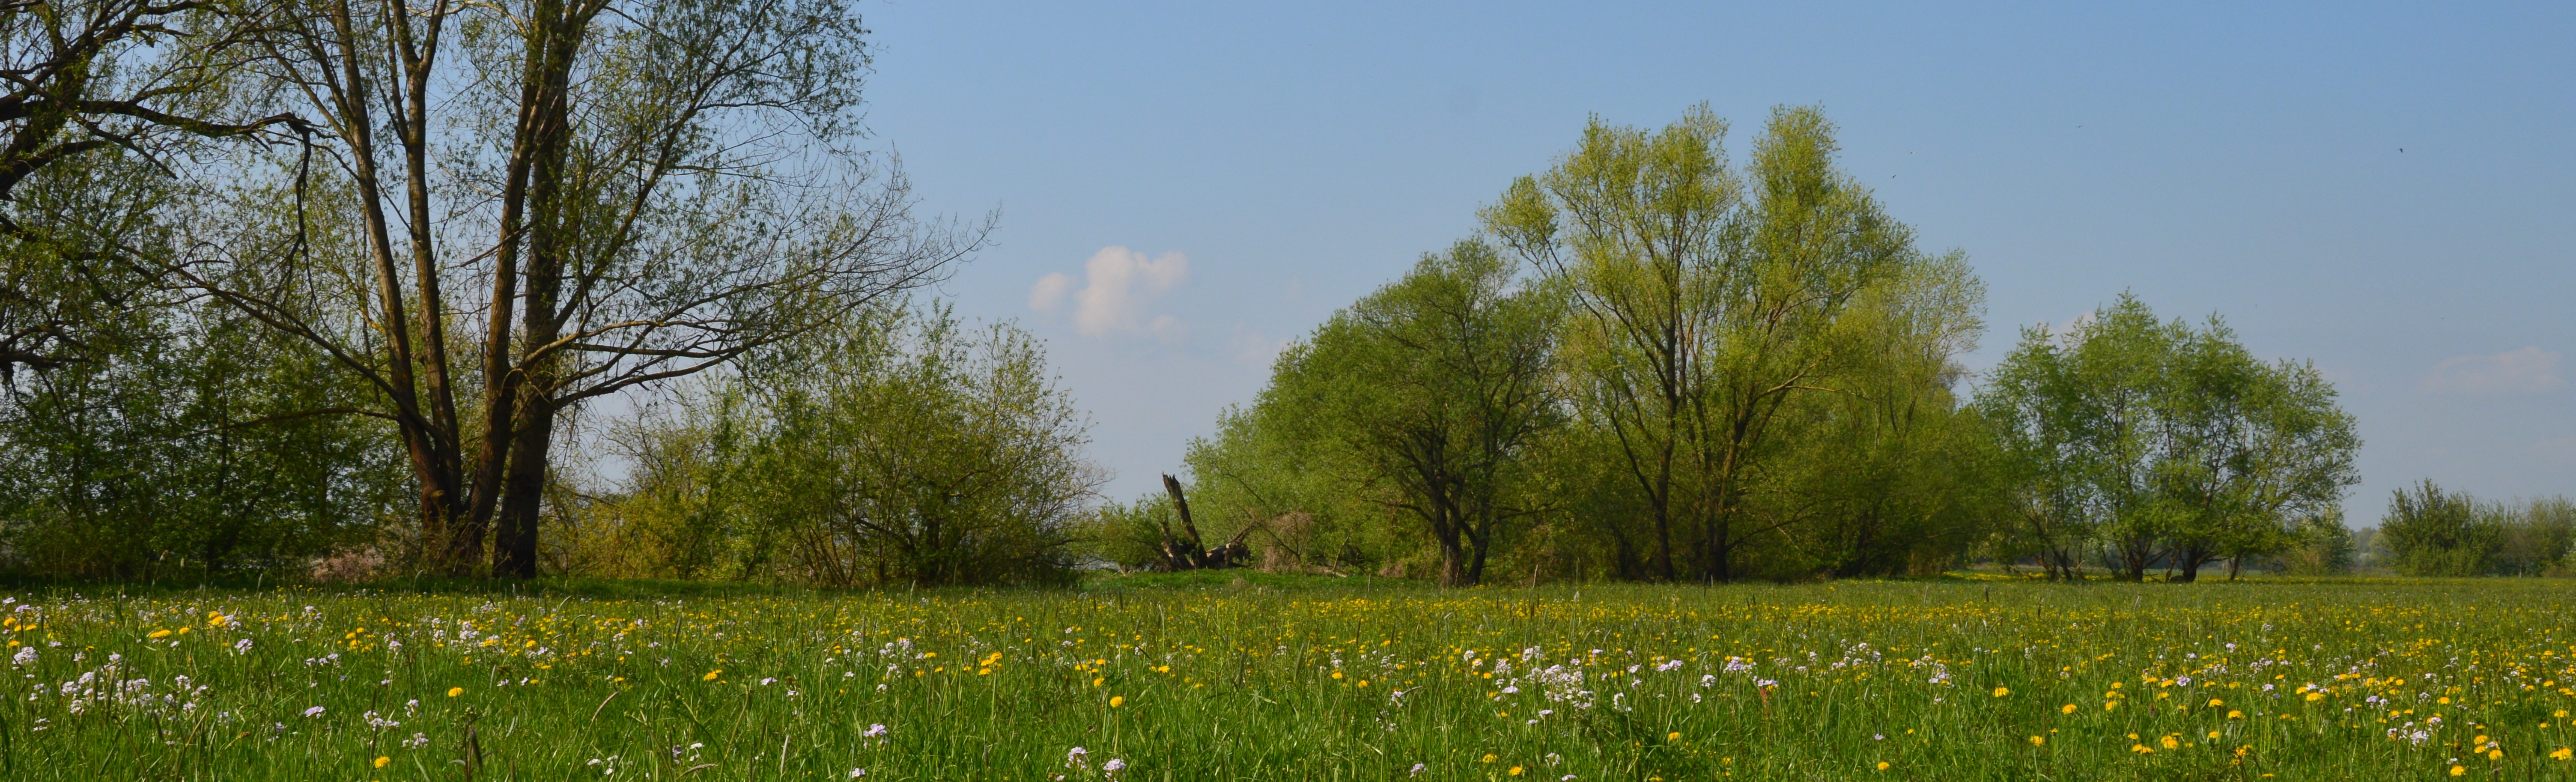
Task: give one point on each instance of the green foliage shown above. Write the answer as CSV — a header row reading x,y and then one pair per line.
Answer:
x,y
2321,546
168,436
1712,373
2433,532
900,449
2430,531
1210,675
1436,388
2148,441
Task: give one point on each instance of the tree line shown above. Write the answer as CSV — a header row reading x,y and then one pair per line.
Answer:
x,y
1655,363
355,288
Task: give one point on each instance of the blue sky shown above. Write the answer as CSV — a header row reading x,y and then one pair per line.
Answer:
x,y
1184,186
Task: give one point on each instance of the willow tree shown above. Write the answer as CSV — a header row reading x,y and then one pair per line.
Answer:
x,y
2147,441
1705,299
1437,387
104,89
519,207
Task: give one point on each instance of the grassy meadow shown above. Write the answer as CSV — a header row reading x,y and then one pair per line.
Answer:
x,y
1304,680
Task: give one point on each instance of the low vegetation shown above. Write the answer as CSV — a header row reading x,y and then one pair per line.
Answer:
x,y
1303,678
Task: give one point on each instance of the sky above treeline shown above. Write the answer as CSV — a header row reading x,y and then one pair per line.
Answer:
x,y
2387,190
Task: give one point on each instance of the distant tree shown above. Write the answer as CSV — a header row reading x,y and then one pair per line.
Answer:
x,y
2252,448
2158,442
900,449
2433,532
2539,536
2322,546
2076,412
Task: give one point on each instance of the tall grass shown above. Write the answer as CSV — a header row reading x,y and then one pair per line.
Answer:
x,y
2338,680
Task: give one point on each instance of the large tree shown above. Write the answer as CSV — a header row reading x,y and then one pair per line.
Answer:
x,y
523,206
2158,442
105,94
1705,301
1438,386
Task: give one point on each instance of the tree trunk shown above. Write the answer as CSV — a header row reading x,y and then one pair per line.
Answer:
x,y
514,555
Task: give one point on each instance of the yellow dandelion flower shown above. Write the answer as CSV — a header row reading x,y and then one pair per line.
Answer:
x,y
1516,771
1882,765
2066,709
2318,696
2038,740
2235,715
1489,758
455,691
382,760
1116,701
2171,743
159,634
2563,753
1673,736
711,675
2217,702
2459,771
2002,691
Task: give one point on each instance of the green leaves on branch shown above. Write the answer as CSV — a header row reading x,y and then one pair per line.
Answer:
x,y
2145,442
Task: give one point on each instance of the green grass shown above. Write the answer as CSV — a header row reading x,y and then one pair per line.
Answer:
x,y
1246,676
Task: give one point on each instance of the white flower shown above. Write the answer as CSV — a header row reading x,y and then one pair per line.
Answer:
x,y
1077,757
241,646
1113,766
26,656
1417,769
313,712
1511,689
858,772
879,729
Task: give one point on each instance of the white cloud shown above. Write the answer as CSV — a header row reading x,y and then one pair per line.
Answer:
x,y
2526,371
1117,284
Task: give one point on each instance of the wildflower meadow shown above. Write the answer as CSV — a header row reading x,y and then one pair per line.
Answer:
x,y
1954,680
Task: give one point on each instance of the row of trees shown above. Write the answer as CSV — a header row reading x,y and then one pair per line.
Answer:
x,y
285,278
1655,364
2430,531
